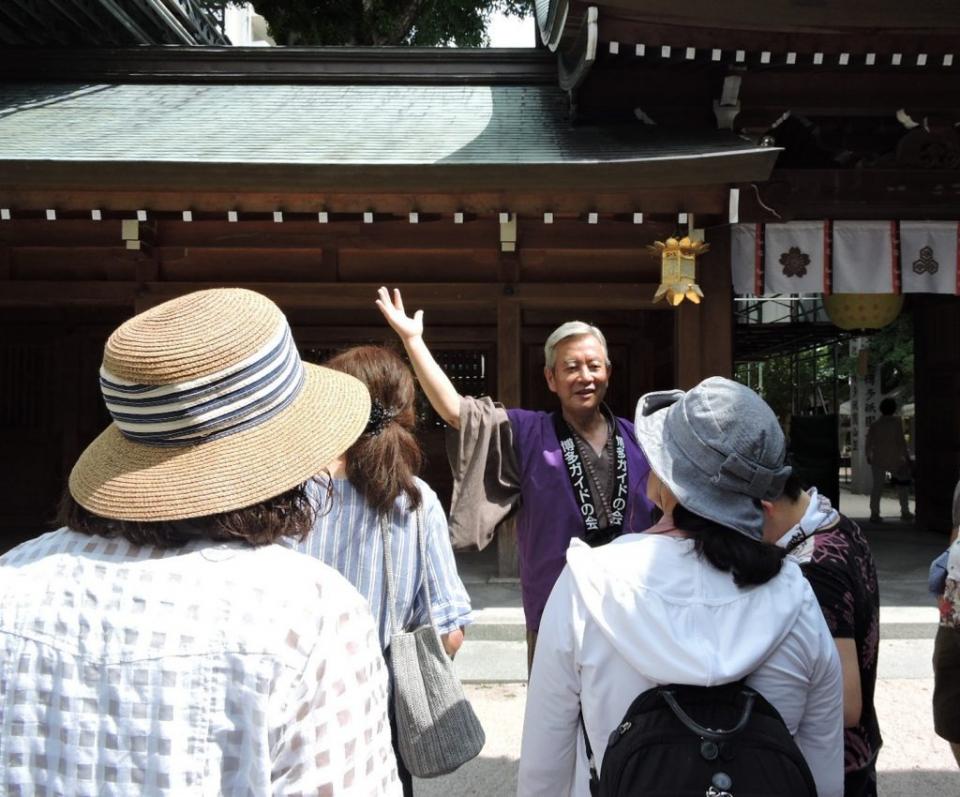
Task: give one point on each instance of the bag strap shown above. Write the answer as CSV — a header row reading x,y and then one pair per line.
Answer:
x,y
385,533
424,563
388,574
591,761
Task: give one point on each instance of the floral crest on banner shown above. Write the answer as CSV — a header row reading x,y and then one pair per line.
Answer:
x,y
796,257
795,262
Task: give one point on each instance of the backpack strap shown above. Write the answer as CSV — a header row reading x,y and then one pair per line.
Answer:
x,y
591,761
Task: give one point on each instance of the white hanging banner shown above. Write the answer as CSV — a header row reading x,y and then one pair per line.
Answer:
x,y
928,256
864,257
795,257
745,257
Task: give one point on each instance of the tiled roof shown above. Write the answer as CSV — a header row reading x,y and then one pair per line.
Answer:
x,y
323,124
297,138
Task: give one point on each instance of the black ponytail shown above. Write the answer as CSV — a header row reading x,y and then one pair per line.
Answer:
x,y
749,561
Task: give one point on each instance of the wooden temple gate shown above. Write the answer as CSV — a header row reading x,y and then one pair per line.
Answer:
x,y
68,283
503,191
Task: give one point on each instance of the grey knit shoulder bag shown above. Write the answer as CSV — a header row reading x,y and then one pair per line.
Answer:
x,y
437,728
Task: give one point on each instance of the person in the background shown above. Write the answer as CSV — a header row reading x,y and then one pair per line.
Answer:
x,y
374,487
836,559
160,643
886,450
576,472
697,599
946,650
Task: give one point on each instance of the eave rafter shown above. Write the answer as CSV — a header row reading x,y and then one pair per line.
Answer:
x,y
107,23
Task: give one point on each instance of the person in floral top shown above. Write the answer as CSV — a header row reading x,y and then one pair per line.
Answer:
x,y
946,650
836,559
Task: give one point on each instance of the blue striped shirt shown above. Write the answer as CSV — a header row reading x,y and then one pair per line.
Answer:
x,y
348,538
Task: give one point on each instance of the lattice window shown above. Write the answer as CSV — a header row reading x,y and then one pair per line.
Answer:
x,y
466,368
318,355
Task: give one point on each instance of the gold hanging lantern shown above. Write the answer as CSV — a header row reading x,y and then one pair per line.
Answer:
x,y
678,263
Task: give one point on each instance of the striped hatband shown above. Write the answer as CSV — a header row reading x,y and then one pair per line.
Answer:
x,y
221,403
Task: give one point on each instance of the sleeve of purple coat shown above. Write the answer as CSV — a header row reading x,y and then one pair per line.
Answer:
x,y
486,475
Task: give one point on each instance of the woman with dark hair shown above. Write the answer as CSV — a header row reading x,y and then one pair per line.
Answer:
x,y
373,490
159,643
697,599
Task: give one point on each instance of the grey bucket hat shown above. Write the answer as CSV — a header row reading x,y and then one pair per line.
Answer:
x,y
718,447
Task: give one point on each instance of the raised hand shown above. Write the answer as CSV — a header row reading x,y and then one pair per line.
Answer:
x,y
392,308
439,389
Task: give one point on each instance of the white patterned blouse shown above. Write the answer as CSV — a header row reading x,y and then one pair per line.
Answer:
x,y
215,668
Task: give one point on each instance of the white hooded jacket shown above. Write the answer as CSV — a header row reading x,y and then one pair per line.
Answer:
x,y
647,610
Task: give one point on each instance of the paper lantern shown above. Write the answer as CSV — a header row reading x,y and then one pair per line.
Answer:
x,y
678,264
863,310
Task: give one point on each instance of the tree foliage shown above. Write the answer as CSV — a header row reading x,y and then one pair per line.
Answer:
x,y
803,383
425,23
789,382
891,349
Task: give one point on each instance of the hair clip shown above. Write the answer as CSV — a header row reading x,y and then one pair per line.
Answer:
x,y
380,416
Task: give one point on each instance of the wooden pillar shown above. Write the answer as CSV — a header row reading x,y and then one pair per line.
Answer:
x,y
936,342
703,333
509,360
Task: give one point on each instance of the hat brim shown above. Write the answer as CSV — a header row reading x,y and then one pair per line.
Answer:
x,y
124,480
649,428
689,485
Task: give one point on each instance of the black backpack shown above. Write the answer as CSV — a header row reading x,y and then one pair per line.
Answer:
x,y
697,741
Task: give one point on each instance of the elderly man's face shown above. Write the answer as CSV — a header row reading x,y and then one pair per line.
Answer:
x,y
580,374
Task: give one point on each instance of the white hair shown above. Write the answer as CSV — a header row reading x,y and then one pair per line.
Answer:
x,y
571,329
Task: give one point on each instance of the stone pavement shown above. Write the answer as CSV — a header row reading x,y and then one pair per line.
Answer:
x,y
914,762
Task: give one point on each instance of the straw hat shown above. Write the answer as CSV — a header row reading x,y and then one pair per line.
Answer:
x,y
213,411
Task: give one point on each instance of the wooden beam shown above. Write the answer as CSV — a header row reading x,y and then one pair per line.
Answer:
x,y
685,169
81,197
361,295
936,344
703,333
330,259
509,363
852,194
588,295
509,354
82,293
320,296
868,17
391,234
846,93
297,65
686,354
716,309
509,269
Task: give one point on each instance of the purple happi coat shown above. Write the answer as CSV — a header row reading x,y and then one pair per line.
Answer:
x,y
549,516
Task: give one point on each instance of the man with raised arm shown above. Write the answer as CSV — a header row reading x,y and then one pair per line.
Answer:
x,y
576,472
